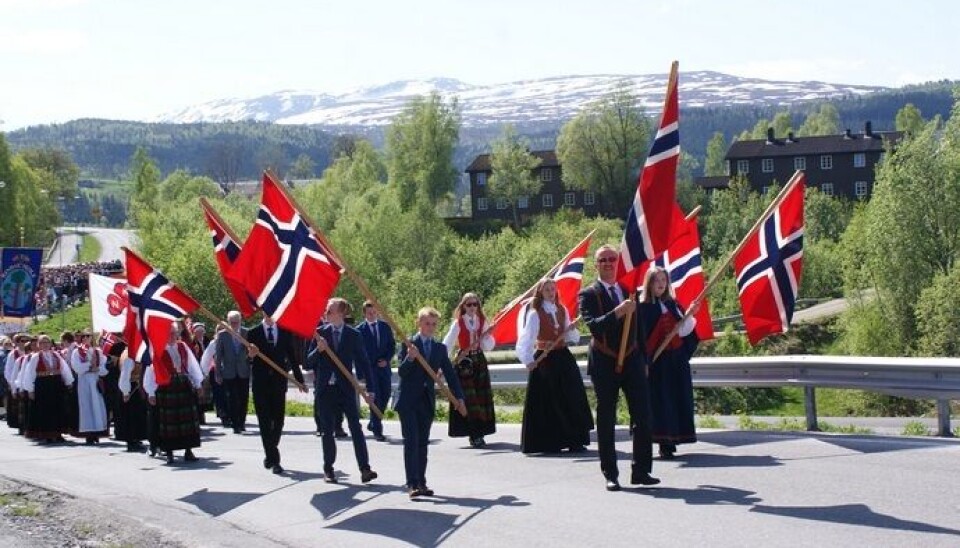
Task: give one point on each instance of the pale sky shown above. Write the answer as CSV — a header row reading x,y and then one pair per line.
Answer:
x,y
134,59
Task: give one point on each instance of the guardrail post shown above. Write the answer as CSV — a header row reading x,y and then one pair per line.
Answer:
x,y
810,406
943,419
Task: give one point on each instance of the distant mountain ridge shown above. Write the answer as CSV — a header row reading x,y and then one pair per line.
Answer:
x,y
528,101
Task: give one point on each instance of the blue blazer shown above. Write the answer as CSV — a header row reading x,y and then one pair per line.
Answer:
x,y
351,353
415,385
387,347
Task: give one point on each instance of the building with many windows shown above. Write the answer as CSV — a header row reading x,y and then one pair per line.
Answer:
x,y
552,196
838,165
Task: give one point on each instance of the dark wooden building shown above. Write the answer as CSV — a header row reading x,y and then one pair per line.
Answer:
x,y
838,165
552,196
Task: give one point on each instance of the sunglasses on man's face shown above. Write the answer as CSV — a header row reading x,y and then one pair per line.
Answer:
x,y
602,260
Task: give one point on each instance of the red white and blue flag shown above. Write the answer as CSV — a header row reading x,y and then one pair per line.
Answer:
x,y
226,249
154,304
684,265
648,229
768,267
284,267
568,274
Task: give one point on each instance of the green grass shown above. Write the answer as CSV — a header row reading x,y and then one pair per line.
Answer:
x,y
915,428
847,429
73,319
709,421
89,249
956,432
19,505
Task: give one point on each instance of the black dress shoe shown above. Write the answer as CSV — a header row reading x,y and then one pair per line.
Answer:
x,y
425,491
380,437
414,492
578,449
368,475
329,476
189,456
277,469
643,479
169,457
267,464
340,433
613,485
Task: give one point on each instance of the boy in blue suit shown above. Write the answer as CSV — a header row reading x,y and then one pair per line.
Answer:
x,y
380,345
416,399
333,392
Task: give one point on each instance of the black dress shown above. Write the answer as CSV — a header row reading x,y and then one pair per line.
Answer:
x,y
671,385
556,414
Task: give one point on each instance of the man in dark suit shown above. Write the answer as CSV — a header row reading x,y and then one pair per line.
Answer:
x,y
380,346
604,306
269,386
416,399
233,367
333,391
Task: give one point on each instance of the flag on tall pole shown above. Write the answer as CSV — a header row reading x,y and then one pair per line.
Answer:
x,y
769,264
648,231
568,274
154,304
684,266
283,265
226,248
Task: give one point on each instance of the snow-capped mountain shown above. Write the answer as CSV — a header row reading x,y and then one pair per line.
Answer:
x,y
557,98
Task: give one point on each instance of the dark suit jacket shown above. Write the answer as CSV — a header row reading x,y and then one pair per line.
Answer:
x,y
284,354
604,325
387,347
414,382
649,314
350,352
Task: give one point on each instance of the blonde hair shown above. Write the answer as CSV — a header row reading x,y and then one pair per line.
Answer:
x,y
537,302
648,296
427,312
463,300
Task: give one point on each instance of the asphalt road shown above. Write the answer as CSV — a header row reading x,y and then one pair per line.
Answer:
x,y
731,489
111,239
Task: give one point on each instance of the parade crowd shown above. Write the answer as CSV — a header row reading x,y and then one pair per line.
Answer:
x,y
62,286
80,387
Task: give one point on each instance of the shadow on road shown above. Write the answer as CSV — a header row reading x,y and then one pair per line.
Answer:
x,y
420,527
861,444
703,494
706,460
331,504
853,514
217,503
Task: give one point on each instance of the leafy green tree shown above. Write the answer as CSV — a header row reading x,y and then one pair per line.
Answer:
x,y
513,176
716,163
8,193
182,188
349,176
909,120
937,311
824,121
57,170
420,147
603,148
782,124
303,167
146,183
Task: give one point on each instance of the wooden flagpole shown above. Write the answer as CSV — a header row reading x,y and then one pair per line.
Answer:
x,y
213,317
794,180
497,317
368,294
336,360
554,343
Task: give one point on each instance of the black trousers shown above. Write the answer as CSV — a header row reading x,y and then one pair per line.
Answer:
x,y
238,394
331,402
608,385
269,400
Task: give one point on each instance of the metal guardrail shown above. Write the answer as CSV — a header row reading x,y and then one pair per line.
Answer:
x,y
934,378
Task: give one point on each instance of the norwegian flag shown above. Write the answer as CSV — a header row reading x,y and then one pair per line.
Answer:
x,y
284,267
226,249
568,274
683,263
107,340
154,304
648,229
769,265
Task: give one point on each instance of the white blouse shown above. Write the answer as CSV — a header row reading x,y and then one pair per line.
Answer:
x,y
126,374
474,326
28,377
83,367
192,370
527,342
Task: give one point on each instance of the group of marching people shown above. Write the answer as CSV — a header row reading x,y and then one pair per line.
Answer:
x,y
78,387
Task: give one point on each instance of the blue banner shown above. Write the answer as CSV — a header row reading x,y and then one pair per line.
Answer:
x,y
19,280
